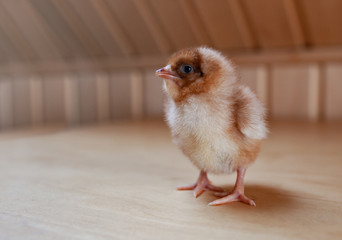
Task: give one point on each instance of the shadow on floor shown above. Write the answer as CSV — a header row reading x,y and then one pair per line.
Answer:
x,y
267,199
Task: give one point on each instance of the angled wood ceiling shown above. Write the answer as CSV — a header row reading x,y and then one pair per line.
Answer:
x,y
44,30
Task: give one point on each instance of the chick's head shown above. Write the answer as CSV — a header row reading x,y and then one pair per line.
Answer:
x,y
195,71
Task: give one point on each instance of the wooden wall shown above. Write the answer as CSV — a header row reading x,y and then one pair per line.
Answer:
x,y
298,91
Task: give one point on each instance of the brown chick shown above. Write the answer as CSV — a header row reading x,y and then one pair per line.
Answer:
x,y
216,122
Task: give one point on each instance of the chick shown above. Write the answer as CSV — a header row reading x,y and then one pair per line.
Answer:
x,y
216,122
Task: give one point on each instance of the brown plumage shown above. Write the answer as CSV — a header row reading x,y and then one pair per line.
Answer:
x,y
216,122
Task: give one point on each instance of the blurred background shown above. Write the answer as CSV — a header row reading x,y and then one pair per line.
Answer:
x,y
90,61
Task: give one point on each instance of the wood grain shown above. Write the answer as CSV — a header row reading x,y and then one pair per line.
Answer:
x,y
273,23
21,102
322,30
174,23
333,92
135,28
120,94
6,103
289,92
119,182
153,95
87,98
220,24
53,98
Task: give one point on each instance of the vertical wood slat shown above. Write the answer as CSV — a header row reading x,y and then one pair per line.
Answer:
x,y
290,91
314,92
53,98
153,95
120,93
333,92
137,97
87,98
21,100
71,100
36,100
103,97
6,104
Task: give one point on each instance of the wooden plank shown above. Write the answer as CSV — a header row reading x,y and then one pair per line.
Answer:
x,y
53,98
322,30
113,26
120,92
32,28
36,100
195,21
96,27
8,51
21,102
137,94
289,91
6,103
153,95
87,98
220,24
154,27
103,98
241,20
174,23
294,22
135,28
64,38
314,92
49,34
79,28
333,92
270,20
71,99
15,35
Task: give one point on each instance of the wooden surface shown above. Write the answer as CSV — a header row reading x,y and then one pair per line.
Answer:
x,y
118,182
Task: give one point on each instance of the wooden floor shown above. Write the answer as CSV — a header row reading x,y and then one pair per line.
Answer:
x,y
118,182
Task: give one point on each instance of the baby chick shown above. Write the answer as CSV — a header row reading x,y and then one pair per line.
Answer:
x,y
216,122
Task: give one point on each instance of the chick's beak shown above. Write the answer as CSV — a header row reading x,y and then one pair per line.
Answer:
x,y
167,73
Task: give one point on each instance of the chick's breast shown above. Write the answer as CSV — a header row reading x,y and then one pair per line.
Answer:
x,y
199,129
218,134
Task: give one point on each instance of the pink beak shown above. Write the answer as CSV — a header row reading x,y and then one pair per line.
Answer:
x,y
167,74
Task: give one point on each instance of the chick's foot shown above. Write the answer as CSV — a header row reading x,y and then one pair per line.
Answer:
x,y
235,196
238,193
201,185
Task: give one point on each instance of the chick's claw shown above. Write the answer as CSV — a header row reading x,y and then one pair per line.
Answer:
x,y
201,185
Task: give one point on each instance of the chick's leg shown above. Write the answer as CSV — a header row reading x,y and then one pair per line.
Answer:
x,y
201,185
237,195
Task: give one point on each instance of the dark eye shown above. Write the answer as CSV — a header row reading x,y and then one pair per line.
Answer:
x,y
186,69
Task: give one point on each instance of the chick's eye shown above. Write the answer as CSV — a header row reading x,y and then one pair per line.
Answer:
x,y
187,69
